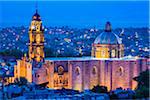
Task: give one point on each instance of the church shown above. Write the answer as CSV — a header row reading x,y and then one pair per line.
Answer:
x,y
107,65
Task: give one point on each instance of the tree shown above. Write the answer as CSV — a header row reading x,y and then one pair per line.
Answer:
x,y
99,89
12,52
48,52
142,89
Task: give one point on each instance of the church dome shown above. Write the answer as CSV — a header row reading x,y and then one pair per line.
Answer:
x,y
107,37
36,16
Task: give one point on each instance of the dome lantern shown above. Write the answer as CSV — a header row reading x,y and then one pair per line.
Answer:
x,y
108,27
107,37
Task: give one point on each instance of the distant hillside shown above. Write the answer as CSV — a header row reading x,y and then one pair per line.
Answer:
x,y
65,41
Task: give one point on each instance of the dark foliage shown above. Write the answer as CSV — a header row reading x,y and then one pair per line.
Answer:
x,y
14,53
48,52
142,90
20,81
113,96
99,89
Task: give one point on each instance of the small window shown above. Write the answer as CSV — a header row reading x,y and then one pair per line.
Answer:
x,y
113,53
94,70
77,72
120,71
60,81
103,53
46,72
60,70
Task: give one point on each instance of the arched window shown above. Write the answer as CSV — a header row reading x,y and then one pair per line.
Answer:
x,y
16,70
94,70
120,71
103,53
113,53
60,70
46,72
77,71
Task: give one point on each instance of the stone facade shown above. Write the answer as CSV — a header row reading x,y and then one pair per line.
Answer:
x,y
107,50
84,74
23,68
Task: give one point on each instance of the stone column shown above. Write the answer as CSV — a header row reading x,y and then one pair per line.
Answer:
x,y
70,75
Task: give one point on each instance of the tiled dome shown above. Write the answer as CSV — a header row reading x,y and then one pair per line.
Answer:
x,y
107,37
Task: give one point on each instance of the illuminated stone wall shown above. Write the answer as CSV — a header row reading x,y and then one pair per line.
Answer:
x,y
121,74
23,68
83,74
94,72
40,75
107,51
50,66
77,75
59,75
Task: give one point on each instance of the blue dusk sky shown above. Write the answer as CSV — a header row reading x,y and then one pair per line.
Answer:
x,y
78,14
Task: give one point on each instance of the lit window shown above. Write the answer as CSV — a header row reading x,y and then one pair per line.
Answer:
x,y
113,53
60,70
103,53
33,27
34,17
38,50
38,38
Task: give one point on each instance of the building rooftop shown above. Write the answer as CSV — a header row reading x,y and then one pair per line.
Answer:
x,y
36,16
90,58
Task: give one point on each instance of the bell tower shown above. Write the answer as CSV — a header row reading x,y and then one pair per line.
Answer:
x,y
36,39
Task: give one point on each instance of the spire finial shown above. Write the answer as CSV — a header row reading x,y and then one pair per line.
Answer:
x,y
36,6
36,10
108,27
